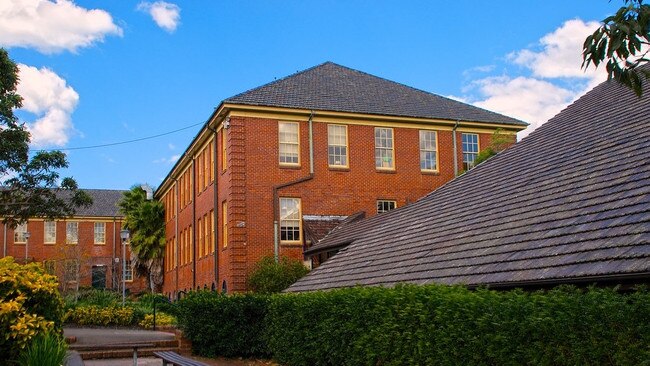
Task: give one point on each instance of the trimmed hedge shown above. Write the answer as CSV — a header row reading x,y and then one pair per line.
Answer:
x,y
97,315
220,325
425,325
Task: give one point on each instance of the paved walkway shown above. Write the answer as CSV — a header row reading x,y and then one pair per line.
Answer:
x,y
142,361
103,336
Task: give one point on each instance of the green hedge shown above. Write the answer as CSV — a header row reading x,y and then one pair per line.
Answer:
x,y
425,325
221,325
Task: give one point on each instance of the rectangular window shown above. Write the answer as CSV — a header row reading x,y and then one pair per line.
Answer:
x,y
100,233
224,219
385,205
224,157
175,253
290,220
20,233
337,145
384,149
470,149
198,160
212,147
289,138
428,151
71,232
128,274
200,227
49,232
206,235
212,237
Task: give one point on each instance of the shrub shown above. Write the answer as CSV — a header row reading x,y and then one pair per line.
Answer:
x,y
271,277
30,305
219,325
45,350
101,298
162,320
95,315
424,325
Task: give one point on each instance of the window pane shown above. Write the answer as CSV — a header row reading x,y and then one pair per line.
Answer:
x,y
50,231
290,217
428,150
337,145
20,233
384,148
385,206
100,232
470,149
71,233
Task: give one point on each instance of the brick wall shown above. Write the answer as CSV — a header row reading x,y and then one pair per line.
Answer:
x,y
253,170
86,251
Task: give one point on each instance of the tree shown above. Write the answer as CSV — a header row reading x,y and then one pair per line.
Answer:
x,y
270,276
499,142
29,187
623,41
145,220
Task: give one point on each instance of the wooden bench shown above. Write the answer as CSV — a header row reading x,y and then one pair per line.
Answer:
x,y
173,358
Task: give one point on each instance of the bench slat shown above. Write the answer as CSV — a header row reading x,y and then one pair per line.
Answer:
x,y
176,359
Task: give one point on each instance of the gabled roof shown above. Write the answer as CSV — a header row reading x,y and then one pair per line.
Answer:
x,y
569,203
332,87
104,203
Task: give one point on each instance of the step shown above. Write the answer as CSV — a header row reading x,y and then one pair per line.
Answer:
x,y
173,343
123,353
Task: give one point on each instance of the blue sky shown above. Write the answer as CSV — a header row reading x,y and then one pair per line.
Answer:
x,y
101,72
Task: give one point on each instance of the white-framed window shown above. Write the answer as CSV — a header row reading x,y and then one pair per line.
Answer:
x,y
384,148
49,232
289,142
290,220
337,146
470,149
385,205
100,233
428,151
128,274
20,233
71,232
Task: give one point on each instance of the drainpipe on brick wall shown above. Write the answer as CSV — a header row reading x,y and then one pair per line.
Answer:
x,y
176,242
214,211
276,198
113,274
193,223
453,135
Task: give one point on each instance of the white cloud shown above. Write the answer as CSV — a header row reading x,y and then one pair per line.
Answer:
x,y
166,15
170,160
556,78
46,95
561,54
171,146
52,27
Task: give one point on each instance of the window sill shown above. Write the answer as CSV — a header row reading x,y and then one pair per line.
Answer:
x,y
288,166
388,171
291,244
430,172
339,169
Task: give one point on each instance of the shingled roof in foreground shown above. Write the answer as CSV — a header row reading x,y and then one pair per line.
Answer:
x,y
332,87
568,204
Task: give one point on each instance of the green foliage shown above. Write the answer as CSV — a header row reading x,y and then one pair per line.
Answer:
x,y
30,185
622,40
45,350
98,315
98,297
162,320
499,142
424,325
269,277
30,305
145,220
219,325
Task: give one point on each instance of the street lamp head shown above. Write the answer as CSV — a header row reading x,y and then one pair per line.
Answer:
x,y
124,234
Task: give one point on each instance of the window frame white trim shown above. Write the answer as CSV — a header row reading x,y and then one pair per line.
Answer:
x,y
280,143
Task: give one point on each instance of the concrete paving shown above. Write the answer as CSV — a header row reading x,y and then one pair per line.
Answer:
x,y
104,336
142,361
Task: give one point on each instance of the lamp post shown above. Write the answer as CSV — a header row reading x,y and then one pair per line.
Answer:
x,y
124,235
27,235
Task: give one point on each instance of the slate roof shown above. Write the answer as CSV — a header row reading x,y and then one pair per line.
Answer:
x,y
569,203
317,227
104,203
332,87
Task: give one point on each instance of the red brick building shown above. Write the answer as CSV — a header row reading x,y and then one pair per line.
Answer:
x,y
276,167
84,249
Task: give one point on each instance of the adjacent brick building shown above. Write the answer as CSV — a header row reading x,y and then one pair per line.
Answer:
x,y
84,249
276,167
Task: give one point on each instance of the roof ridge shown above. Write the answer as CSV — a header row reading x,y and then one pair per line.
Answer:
x,y
280,79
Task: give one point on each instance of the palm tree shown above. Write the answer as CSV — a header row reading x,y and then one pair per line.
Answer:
x,y
145,219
